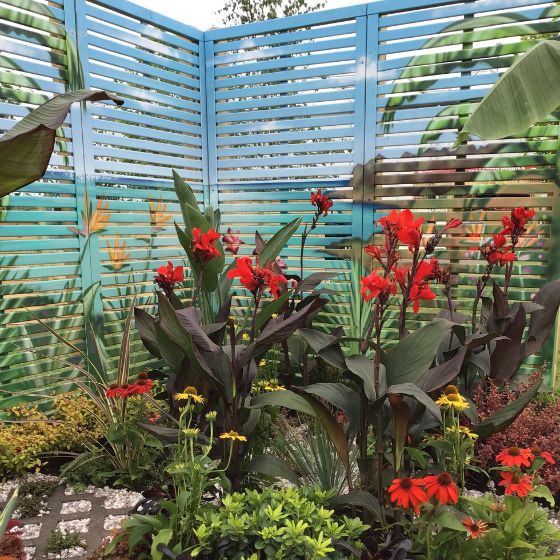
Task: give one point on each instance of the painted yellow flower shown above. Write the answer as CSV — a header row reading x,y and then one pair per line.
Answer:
x,y
117,254
189,394
453,400
461,430
233,436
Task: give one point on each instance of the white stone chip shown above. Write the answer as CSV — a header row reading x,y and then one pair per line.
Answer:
x,y
74,526
76,506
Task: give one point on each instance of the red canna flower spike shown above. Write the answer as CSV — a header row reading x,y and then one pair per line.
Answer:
x,y
203,247
442,487
168,276
408,493
516,483
374,252
376,285
232,241
475,529
256,279
538,452
515,457
322,202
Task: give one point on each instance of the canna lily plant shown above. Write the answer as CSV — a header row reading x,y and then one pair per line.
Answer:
x,y
204,349
394,404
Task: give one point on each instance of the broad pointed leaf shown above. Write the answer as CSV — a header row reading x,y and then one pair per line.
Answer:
x,y
412,356
278,241
502,419
26,149
273,466
527,93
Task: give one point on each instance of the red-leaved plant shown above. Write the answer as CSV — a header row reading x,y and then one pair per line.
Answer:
x,y
536,428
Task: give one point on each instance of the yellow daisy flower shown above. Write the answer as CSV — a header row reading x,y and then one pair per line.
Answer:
x,y
461,430
190,393
245,336
453,400
233,436
273,385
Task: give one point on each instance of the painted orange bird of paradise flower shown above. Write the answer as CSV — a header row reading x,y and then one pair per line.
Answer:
x,y
118,254
159,215
94,221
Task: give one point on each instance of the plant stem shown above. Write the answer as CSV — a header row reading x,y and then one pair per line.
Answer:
x,y
254,319
197,287
480,285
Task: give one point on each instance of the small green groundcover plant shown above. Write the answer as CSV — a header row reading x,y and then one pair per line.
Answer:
x,y
285,523
59,541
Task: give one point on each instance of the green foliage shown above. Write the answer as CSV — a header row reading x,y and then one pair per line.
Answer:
x,y
307,448
517,530
62,540
7,513
28,434
288,523
247,11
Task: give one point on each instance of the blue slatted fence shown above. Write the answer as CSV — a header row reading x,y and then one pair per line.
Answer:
x,y
363,102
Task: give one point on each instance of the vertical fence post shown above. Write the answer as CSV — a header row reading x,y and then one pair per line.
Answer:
x,y
363,208
77,53
209,93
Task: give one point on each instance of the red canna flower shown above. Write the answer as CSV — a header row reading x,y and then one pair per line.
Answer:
x,y
375,285
516,483
442,487
420,292
168,276
538,452
409,231
475,529
496,252
232,241
514,224
256,279
515,457
452,224
322,201
203,247
391,222
374,252
408,493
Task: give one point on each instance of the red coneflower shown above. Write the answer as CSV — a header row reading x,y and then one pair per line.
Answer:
x,y
538,452
442,487
408,492
116,392
515,457
475,528
515,483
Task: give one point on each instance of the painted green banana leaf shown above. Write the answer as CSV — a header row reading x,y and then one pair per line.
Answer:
x,y
527,93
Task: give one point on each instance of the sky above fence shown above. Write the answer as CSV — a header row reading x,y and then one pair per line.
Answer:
x,y
203,14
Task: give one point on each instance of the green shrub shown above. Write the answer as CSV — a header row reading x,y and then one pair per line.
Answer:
x,y
282,524
23,444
